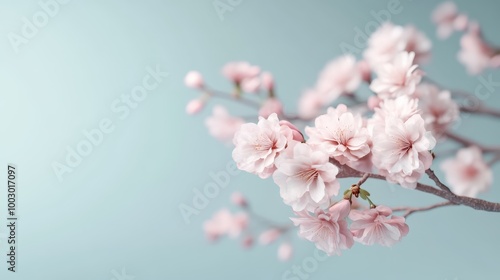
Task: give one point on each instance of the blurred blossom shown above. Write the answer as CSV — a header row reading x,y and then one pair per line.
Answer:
x,y
221,125
447,19
310,104
271,105
475,53
467,173
239,71
269,236
238,199
225,223
195,106
285,251
194,80
341,75
267,81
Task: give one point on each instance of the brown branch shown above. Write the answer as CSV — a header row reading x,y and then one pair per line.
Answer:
x,y
436,180
467,142
476,203
481,110
224,95
411,210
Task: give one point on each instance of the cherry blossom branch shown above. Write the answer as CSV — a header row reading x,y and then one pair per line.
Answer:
x,y
481,110
224,95
436,180
466,142
476,203
411,210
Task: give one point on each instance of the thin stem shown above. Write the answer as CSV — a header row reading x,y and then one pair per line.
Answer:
x,y
363,179
224,95
467,142
494,160
266,221
411,210
481,110
436,180
476,203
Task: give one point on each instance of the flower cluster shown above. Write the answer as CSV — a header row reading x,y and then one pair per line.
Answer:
x,y
390,134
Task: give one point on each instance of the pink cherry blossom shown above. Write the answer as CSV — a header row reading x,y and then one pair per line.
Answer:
x,y
306,178
401,150
327,229
438,109
384,44
341,134
223,126
475,53
195,106
223,222
397,77
447,19
258,145
418,43
297,135
401,108
247,242
267,81
342,75
239,199
271,105
467,173
285,251
194,79
310,104
372,226
239,71
269,236
251,85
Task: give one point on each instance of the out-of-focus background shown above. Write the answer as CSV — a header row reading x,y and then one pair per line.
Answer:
x,y
115,211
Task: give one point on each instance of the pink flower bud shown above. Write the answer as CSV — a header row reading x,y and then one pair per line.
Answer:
x,y
364,69
285,252
251,85
269,236
460,22
297,135
194,79
194,106
267,81
247,241
271,105
238,199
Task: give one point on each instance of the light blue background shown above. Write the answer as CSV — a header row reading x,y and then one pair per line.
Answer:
x,y
119,208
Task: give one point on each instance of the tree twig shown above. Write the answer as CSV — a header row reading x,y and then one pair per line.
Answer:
x,y
476,203
411,210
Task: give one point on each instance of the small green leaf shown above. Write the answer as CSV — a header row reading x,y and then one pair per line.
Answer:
x,y
346,191
364,194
